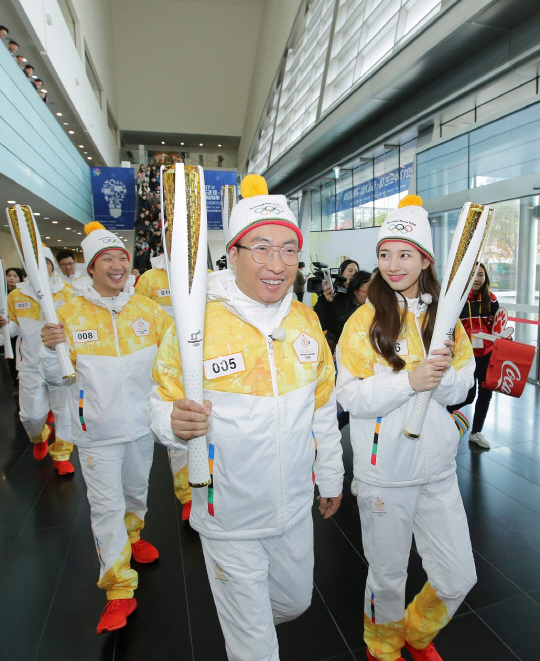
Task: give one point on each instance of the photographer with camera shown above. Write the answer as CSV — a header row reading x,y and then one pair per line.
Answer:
x,y
332,302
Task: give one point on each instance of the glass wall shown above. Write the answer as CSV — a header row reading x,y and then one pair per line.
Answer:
x,y
362,196
504,149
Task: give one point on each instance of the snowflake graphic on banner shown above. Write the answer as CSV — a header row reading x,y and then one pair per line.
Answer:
x,y
114,192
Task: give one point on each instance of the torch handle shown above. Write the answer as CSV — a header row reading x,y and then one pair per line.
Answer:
x,y
8,349
198,469
418,415
66,366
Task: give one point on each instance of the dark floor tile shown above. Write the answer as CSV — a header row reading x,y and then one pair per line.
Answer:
x,y
20,490
6,544
29,578
348,656
535,594
491,587
505,480
8,460
505,434
70,630
517,623
499,546
467,638
529,449
516,462
319,636
511,514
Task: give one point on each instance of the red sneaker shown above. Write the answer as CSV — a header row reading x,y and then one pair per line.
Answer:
x,y
144,552
186,511
40,450
429,653
64,467
114,615
372,658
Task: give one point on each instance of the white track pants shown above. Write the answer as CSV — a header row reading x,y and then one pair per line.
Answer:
x,y
36,399
389,516
116,478
258,583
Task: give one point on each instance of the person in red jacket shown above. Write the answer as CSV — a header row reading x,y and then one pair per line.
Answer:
x,y
477,316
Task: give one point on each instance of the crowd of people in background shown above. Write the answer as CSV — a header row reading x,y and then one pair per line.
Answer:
x,y
28,69
148,239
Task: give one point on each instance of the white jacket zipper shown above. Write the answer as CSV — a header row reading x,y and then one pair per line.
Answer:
x,y
115,330
278,425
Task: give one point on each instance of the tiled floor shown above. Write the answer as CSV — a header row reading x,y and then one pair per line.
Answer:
x,y
49,603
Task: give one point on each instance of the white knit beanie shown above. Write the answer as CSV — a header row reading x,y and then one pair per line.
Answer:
x,y
258,208
409,224
98,240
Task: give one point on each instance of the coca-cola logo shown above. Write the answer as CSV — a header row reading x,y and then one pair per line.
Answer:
x,y
509,374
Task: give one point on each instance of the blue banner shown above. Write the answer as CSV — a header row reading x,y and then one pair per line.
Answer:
x,y
214,180
391,183
115,200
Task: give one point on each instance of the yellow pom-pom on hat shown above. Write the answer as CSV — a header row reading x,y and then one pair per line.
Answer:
x,y
253,184
410,201
92,227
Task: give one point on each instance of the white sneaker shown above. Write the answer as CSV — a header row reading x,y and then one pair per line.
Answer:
x,y
354,487
479,439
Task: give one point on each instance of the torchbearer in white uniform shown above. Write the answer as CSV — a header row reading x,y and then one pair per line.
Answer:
x,y
270,421
406,486
113,336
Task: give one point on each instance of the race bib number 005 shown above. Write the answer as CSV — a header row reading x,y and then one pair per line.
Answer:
x,y
85,336
224,366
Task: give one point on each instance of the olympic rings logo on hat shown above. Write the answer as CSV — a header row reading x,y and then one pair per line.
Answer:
x,y
398,226
267,209
109,239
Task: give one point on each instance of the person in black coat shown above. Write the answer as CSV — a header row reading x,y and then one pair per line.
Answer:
x,y
332,304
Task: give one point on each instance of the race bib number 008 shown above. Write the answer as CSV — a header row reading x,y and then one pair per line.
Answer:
x,y
85,336
224,366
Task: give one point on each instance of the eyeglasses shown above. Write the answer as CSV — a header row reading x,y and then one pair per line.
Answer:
x,y
262,254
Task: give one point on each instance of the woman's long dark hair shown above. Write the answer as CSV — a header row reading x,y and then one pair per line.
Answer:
x,y
389,319
484,293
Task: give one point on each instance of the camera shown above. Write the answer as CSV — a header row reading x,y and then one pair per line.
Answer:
x,y
221,263
320,273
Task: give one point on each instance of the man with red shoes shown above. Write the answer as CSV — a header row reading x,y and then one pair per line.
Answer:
x,y
39,403
113,337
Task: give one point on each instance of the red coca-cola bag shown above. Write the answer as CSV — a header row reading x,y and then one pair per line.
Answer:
x,y
509,367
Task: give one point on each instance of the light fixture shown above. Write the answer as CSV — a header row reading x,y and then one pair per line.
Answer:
x,y
81,146
68,228
200,144
162,142
71,132
79,232
219,145
89,158
11,202
59,239
85,152
125,240
182,144
337,171
55,222
45,217
34,77
66,124
47,237
59,114
36,213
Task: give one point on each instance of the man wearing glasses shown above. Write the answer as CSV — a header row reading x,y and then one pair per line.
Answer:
x,y
270,420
